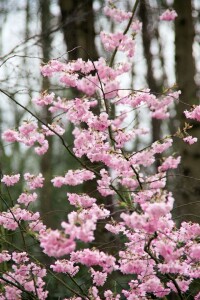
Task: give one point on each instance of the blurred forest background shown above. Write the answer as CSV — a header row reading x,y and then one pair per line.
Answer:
x,y
168,55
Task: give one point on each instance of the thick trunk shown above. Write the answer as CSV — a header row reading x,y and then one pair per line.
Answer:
x,y
46,160
153,84
187,191
147,36
78,28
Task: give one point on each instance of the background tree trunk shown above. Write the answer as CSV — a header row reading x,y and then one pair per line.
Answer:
x,y
78,28
46,160
147,36
187,191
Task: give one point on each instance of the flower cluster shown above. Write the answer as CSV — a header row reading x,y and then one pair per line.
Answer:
x,y
168,15
30,134
24,277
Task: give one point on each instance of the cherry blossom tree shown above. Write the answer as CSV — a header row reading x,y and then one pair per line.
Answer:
x,y
152,257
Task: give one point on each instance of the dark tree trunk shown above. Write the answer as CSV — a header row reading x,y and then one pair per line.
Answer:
x,y
147,36
78,28
145,14
187,191
46,160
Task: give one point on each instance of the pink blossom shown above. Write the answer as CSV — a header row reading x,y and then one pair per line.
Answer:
x,y
4,256
37,226
78,176
26,198
43,148
100,123
10,135
58,181
90,258
88,85
111,89
166,250
193,114
197,297
159,148
27,128
19,257
21,274
195,252
44,99
34,181
136,26
168,15
12,292
117,15
156,210
99,278
109,295
65,266
190,140
81,200
10,180
73,178
56,128
122,137
124,43
169,163
55,244
183,285
52,67
104,184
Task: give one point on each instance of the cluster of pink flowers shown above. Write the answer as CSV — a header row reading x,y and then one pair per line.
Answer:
x,y
168,15
10,179
153,256
193,113
120,15
23,273
27,198
12,218
158,106
30,134
115,13
34,181
118,40
73,178
190,140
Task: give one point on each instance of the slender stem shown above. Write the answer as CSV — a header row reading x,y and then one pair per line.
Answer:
x,y
78,286
134,170
125,31
20,287
170,277
118,193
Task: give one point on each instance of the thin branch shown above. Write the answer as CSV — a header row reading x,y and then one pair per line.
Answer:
x,y
125,31
149,252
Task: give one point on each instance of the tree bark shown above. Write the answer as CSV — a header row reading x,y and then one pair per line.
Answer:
x,y
77,18
187,191
147,36
155,86
46,160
